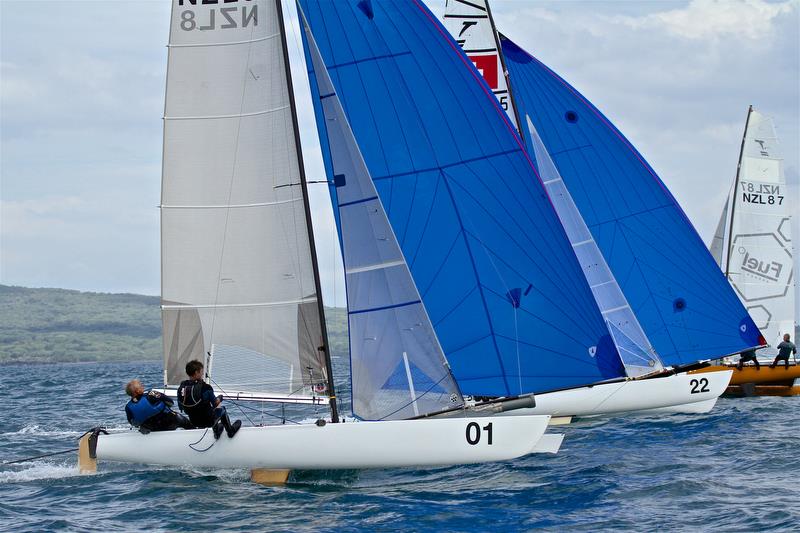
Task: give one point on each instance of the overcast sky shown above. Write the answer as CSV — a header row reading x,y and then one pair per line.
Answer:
x,y
81,100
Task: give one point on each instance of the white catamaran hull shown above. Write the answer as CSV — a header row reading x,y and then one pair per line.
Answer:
x,y
675,393
334,446
696,408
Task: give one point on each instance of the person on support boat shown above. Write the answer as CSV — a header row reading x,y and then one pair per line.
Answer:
x,y
785,349
748,355
150,411
196,398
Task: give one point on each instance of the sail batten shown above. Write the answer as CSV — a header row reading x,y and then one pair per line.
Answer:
x,y
232,43
232,206
249,304
232,115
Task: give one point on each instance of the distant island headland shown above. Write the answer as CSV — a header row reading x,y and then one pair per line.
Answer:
x,y
62,325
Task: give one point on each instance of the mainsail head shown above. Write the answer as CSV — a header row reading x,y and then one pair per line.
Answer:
x,y
238,277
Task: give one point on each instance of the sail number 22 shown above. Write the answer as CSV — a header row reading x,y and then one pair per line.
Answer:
x,y
699,386
474,433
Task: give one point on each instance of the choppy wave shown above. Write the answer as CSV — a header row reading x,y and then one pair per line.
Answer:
x,y
39,431
733,469
36,471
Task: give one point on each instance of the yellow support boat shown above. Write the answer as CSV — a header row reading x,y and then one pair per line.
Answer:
x,y
764,381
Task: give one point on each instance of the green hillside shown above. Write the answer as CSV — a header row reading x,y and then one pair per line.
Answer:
x,y
43,325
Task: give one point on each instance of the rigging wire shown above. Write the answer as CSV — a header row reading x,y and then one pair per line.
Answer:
x,y
242,407
417,397
263,412
51,454
233,402
25,460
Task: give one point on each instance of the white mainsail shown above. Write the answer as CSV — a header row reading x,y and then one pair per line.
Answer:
x,y
238,278
717,247
470,23
755,247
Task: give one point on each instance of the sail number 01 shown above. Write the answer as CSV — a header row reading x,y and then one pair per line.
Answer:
x,y
474,433
699,386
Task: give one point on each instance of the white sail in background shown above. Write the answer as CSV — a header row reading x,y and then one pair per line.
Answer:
x,y
470,23
757,252
637,353
238,278
717,247
398,368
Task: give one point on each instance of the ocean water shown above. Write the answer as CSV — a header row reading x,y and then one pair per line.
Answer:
x,y
734,469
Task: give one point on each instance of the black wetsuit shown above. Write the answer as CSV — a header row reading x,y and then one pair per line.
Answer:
x,y
159,416
749,355
785,349
196,398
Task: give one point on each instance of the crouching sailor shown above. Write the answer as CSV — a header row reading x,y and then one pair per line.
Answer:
x,y
196,399
151,411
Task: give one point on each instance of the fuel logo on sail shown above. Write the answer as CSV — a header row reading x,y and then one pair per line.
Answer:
x,y
769,270
762,267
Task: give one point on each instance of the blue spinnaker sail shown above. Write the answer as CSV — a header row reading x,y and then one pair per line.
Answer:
x,y
685,305
635,349
504,291
397,367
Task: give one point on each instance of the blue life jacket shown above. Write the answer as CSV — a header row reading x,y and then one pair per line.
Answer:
x,y
142,410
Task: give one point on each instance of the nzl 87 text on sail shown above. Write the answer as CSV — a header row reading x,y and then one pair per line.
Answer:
x,y
225,16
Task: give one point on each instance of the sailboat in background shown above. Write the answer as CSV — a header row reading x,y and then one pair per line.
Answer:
x,y
506,294
240,280
753,247
624,214
753,242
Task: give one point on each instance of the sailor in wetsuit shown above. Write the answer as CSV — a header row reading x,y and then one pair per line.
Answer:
x,y
748,355
785,349
196,399
151,411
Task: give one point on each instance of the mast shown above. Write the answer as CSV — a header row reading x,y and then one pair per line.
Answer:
x,y
505,72
307,207
736,192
